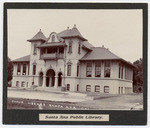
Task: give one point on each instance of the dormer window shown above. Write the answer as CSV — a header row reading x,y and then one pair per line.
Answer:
x,y
53,38
70,47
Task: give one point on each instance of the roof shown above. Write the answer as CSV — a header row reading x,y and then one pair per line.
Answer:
x,y
56,44
101,53
87,45
74,32
22,59
38,36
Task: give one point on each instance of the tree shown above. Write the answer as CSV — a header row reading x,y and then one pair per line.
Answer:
x,y
9,69
138,73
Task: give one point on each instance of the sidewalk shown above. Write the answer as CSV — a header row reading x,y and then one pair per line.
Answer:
x,y
47,95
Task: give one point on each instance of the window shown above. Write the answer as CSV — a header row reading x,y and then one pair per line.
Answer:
x,y
34,69
107,69
69,70
23,84
70,47
106,89
97,88
68,87
88,88
35,49
79,48
17,83
119,90
97,69
121,71
77,87
89,70
77,70
53,38
24,69
18,69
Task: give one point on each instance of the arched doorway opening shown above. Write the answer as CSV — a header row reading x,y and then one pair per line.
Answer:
x,y
50,78
40,78
59,79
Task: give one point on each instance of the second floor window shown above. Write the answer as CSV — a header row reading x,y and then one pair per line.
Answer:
x,y
69,70
107,69
89,70
77,70
121,71
70,47
97,69
24,69
35,49
34,69
18,69
79,48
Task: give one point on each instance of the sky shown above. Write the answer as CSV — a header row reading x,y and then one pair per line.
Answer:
x,y
118,30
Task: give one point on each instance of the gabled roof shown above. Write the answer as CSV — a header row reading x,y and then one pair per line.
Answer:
x,y
38,36
101,53
74,32
22,59
86,45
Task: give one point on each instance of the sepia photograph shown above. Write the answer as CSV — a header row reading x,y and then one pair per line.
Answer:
x,y
75,63
75,59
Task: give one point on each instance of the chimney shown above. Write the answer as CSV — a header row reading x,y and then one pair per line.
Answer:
x,y
74,26
67,28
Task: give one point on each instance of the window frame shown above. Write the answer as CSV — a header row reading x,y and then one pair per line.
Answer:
x,y
88,88
34,69
34,49
106,90
97,70
88,70
23,84
79,47
19,67
77,70
68,87
70,47
96,88
69,70
105,68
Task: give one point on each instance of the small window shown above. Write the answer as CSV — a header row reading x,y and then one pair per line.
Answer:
x,y
70,47
34,69
79,48
17,83
35,49
106,89
89,70
107,69
77,70
88,88
23,84
97,69
18,69
68,87
24,69
69,70
53,38
97,88
77,87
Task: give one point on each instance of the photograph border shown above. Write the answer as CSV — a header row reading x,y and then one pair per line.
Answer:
x,y
116,117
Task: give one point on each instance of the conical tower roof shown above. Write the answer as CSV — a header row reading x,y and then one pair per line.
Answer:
x,y
38,36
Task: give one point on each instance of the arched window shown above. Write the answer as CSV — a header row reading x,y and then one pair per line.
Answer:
x,y
53,38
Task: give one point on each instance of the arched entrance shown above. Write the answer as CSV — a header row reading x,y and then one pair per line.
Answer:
x,y
40,78
59,79
50,78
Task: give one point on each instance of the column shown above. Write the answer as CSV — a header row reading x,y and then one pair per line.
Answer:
x,y
21,68
56,81
27,69
44,81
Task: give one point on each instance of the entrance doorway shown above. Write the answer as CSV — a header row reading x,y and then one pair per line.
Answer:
x,y
59,79
40,78
50,78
